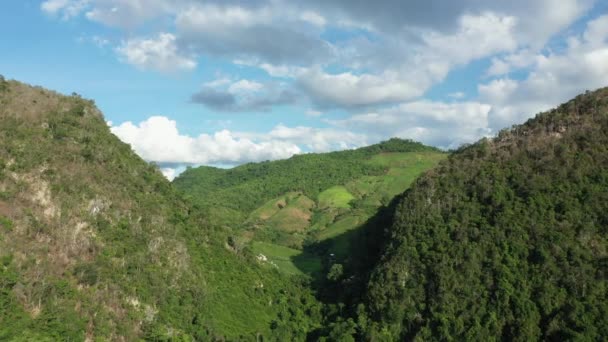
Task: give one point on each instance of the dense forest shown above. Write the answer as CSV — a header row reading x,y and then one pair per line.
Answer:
x,y
506,240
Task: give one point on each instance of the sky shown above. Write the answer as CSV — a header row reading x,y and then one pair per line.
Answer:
x,y
225,82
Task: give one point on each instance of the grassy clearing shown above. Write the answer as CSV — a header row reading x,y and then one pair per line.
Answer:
x,y
285,258
336,197
340,227
402,170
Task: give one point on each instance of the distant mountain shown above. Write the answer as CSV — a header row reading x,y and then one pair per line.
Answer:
x,y
298,212
505,240
96,245
244,188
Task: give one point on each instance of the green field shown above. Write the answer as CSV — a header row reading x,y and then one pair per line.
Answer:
x,y
335,197
339,209
288,260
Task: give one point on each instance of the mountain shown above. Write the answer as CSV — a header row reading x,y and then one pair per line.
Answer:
x,y
244,188
96,245
505,240
302,213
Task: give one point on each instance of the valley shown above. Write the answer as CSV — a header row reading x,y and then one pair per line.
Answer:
x,y
504,239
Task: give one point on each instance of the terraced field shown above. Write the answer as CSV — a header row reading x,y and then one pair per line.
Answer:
x,y
293,218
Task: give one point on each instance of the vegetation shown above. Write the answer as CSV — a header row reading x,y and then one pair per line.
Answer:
x,y
247,187
312,218
95,243
506,240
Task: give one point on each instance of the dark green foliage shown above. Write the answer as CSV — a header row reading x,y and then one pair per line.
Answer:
x,y
6,223
506,240
335,272
86,274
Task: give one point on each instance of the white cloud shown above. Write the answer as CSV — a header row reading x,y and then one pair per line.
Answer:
x,y
498,91
218,82
279,71
478,36
553,78
158,53
313,18
244,95
348,89
169,173
318,139
222,147
597,32
66,8
511,62
245,86
389,80
391,54
436,123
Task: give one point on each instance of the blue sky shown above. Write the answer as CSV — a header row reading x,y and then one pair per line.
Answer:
x,y
189,82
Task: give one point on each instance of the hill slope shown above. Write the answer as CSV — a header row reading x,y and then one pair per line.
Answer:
x,y
96,244
506,240
247,187
309,202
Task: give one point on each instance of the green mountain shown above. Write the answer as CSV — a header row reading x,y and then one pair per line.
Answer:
x,y
95,244
505,240
299,212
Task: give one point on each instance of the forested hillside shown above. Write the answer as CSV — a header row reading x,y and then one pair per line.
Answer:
x,y
95,244
506,240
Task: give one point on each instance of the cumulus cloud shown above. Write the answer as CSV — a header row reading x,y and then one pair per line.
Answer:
x,y
348,89
435,123
514,61
222,147
553,77
319,139
159,53
373,60
176,150
420,65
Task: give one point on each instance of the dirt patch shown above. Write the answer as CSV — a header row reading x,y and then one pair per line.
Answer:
x,y
6,209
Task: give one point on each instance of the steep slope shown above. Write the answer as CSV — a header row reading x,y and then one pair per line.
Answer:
x,y
96,244
506,240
